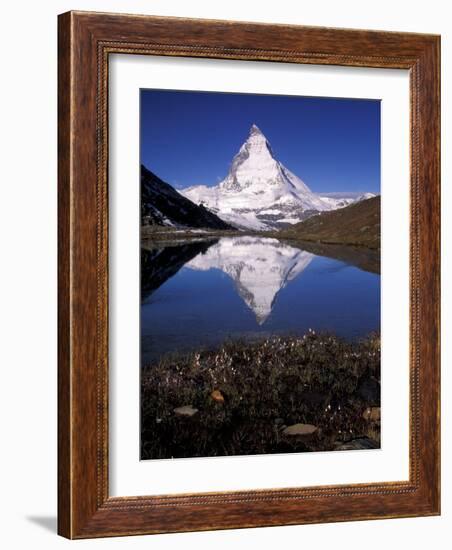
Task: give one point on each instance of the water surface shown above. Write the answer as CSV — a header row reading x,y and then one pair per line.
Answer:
x,y
197,294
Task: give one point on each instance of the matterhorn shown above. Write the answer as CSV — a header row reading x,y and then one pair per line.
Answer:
x,y
260,193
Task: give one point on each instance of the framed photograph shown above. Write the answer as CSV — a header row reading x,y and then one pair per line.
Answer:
x,y
248,275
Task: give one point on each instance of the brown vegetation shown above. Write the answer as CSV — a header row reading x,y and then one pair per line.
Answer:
x,y
357,224
243,397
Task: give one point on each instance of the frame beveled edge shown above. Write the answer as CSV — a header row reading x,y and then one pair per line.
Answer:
x,y
85,42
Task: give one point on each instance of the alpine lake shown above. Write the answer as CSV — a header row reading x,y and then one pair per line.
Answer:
x,y
251,345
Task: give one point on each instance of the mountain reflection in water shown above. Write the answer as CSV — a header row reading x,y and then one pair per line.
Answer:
x,y
197,294
259,267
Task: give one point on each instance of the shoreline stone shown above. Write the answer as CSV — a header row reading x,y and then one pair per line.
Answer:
x,y
300,429
186,410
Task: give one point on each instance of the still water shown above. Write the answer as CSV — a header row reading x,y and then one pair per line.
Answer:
x,y
196,295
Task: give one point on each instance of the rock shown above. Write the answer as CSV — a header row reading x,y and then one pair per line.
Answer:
x,y
300,429
359,444
369,390
372,414
315,398
217,396
186,410
279,421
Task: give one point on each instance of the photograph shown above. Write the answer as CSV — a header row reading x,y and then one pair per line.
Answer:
x,y
260,274
222,275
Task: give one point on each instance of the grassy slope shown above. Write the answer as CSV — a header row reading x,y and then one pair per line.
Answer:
x,y
357,224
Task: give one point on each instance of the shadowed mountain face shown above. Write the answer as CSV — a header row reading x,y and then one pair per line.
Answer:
x,y
259,267
162,205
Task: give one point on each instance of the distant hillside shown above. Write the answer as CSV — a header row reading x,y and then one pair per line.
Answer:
x,y
162,205
357,224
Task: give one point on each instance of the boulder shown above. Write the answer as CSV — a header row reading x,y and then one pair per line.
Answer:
x,y
217,396
372,414
186,410
300,429
369,390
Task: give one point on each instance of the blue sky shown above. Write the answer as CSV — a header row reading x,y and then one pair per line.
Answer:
x,y
190,138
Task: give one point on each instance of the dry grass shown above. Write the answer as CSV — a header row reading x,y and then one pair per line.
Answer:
x,y
265,386
357,224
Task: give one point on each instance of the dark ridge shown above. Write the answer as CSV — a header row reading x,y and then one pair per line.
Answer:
x,y
162,205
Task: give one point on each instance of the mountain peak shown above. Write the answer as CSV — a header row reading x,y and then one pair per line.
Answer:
x,y
256,137
255,131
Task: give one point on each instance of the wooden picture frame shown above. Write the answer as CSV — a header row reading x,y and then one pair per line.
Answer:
x,y
86,40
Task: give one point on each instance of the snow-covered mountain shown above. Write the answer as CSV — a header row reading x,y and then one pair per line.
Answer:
x,y
259,192
340,200
260,268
